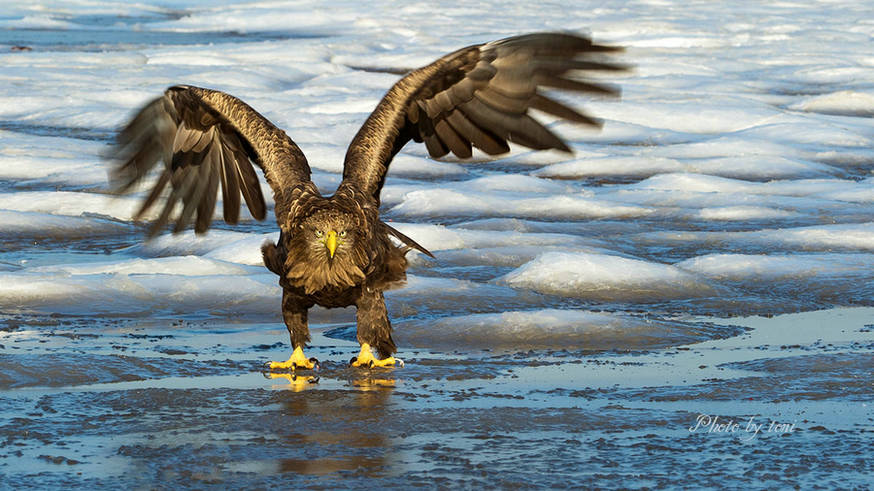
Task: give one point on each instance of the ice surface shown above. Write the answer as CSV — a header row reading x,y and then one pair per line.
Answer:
x,y
752,167
443,202
602,276
733,177
439,237
844,237
761,267
551,328
737,153
17,223
846,102
180,265
185,244
71,203
135,293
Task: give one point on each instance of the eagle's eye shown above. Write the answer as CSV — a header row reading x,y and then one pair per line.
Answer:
x,y
319,233
342,233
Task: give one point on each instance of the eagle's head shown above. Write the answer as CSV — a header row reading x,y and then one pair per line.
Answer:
x,y
329,234
328,241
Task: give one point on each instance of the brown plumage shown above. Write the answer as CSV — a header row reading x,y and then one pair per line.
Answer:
x,y
334,251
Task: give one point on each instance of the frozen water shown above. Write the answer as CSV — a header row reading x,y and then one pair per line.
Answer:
x,y
551,328
733,177
602,276
725,143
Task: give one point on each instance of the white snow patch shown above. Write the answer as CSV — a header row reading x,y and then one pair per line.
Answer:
x,y
43,225
611,166
694,115
738,213
244,251
35,21
762,267
848,236
840,237
189,243
180,265
74,204
842,102
753,167
446,202
601,276
440,237
140,294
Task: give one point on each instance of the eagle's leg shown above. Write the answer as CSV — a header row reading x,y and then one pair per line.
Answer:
x,y
374,331
294,310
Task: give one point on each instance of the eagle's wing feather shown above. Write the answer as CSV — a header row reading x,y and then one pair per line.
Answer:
x,y
478,96
412,244
207,140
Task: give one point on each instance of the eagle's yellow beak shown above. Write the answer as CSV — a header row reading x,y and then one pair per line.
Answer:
x,y
331,243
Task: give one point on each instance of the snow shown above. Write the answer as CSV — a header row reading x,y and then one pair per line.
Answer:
x,y
140,294
741,267
440,237
737,163
743,213
441,202
846,102
44,225
842,237
749,168
180,265
185,244
601,276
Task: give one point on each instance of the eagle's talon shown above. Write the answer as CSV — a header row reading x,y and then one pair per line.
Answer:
x,y
297,361
315,362
365,359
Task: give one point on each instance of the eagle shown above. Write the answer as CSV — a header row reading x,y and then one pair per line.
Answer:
x,y
334,251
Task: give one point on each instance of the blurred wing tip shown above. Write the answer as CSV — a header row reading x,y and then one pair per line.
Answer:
x,y
563,147
153,231
605,66
602,48
611,91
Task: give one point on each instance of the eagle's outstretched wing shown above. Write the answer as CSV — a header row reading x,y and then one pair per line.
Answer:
x,y
206,138
478,96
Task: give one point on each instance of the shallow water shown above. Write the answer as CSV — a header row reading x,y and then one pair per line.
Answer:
x,y
171,403
705,257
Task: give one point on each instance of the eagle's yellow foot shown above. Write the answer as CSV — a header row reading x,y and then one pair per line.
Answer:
x,y
297,360
366,359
